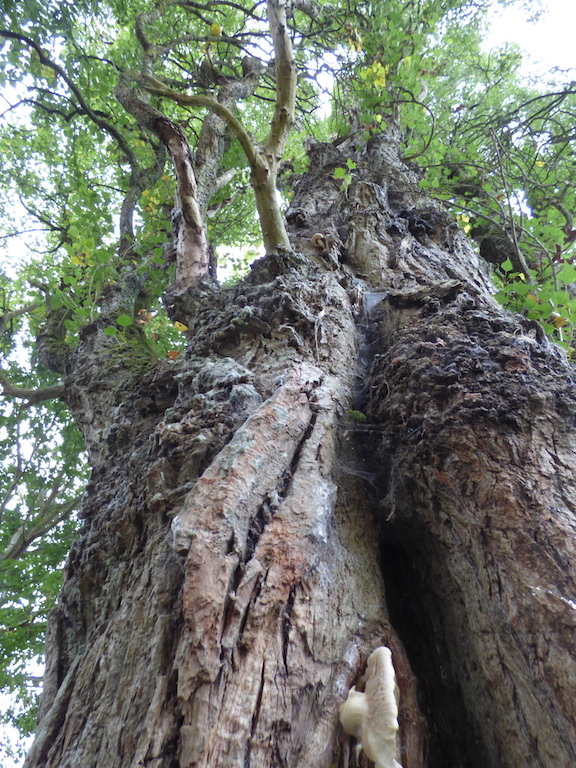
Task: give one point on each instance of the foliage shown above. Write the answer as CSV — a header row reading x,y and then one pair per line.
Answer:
x,y
344,175
543,296
358,416
40,491
88,195
497,150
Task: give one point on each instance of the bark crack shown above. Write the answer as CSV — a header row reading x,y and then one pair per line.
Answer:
x,y
255,716
267,509
258,523
287,625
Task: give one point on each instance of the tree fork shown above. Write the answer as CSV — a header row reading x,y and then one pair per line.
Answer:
x,y
263,162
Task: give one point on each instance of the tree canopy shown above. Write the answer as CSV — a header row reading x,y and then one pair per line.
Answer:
x,y
134,134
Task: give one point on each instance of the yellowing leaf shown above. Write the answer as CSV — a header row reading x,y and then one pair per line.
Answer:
x,y
82,260
540,163
144,316
215,29
180,326
559,322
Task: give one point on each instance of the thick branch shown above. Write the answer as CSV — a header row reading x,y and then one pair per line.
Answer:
x,y
213,140
32,396
264,165
140,179
157,88
285,80
192,254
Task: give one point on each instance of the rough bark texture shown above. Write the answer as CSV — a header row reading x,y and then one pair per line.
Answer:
x,y
228,584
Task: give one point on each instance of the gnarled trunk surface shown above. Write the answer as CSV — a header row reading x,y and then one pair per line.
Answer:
x,y
242,517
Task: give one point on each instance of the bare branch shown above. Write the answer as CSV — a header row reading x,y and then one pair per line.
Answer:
x,y
32,396
192,252
225,178
521,264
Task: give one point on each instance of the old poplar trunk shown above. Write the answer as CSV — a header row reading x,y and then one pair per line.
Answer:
x,y
249,538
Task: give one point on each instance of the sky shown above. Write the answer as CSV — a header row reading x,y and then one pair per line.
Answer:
x,y
549,42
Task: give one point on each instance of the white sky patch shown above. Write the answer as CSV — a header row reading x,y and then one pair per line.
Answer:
x,y
548,41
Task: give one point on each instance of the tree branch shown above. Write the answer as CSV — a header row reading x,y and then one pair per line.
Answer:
x,y
14,313
32,396
192,252
140,179
88,111
285,80
263,165
521,264
23,537
155,87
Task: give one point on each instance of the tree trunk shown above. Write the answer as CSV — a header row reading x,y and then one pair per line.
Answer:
x,y
358,413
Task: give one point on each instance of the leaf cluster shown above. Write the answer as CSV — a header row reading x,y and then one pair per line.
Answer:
x,y
547,298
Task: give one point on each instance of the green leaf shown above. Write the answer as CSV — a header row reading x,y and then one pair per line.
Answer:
x,y
125,320
567,274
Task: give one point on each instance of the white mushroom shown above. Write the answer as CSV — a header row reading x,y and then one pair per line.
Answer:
x,y
372,717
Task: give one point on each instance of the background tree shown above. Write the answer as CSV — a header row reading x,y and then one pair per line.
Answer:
x,y
356,411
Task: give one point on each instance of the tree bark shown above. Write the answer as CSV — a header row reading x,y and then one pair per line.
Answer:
x,y
242,517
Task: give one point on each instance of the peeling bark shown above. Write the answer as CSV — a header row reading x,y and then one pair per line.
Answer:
x,y
240,524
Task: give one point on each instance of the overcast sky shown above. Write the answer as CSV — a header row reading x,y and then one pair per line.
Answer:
x,y
549,41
